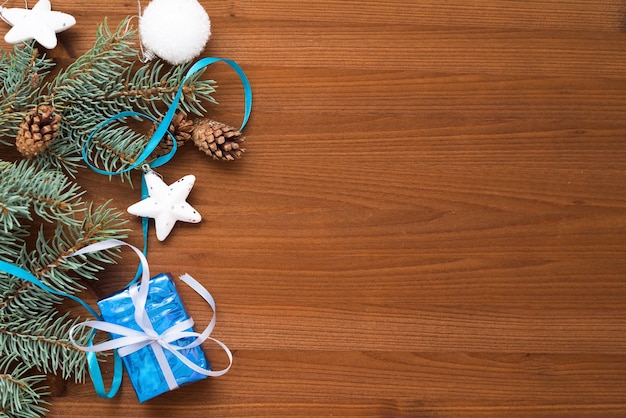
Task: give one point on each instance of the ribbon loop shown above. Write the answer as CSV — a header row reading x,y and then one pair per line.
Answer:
x,y
163,126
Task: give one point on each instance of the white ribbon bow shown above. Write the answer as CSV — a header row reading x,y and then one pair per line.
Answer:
x,y
132,340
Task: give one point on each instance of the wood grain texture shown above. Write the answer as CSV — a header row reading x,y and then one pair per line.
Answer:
x,y
430,219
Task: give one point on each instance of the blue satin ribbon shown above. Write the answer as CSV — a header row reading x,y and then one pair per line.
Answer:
x,y
92,361
163,126
162,130
16,271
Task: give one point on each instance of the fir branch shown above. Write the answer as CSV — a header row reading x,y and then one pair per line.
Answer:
x,y
50,262
111,53
50,194
51,259
43,343
23,299
11,243
104,82
116,148
23,74
152,90
60,157
21,394
12,207
10,125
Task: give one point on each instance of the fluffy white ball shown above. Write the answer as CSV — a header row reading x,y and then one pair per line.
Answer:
x,y
174,30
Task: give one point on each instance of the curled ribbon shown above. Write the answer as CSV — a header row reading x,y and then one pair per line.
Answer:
x,y
132,340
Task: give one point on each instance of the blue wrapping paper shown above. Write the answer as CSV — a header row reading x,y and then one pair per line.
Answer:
x,y
165,309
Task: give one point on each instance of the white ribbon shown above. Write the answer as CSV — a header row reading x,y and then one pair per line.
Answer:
x,y
132,340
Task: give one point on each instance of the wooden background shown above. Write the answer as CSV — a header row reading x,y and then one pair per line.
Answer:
x,y
430,220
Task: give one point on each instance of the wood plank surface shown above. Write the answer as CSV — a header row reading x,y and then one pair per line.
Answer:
x,y
429,221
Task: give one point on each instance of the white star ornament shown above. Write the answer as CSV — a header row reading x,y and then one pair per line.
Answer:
x,y
39,23
166,204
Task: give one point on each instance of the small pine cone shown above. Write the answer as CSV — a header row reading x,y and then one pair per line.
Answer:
x,y
181,127
37,131
222,142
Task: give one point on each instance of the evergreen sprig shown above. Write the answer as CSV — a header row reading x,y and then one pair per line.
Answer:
x,y
21,393
110,55
101,83
152,88
43,343
149,89
50,194
51,263
31,326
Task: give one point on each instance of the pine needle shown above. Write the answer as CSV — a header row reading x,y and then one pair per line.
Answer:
x,y
21,394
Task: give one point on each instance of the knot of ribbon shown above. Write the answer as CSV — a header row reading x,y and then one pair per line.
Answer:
x,y
130,340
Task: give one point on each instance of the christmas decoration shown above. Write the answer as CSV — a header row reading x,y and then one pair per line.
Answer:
x,y
152,331
174,30
218,140
165,310
166,204
39,23
37,130
43,217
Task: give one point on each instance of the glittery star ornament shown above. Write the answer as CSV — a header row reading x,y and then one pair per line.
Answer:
x,y
166,204
39,23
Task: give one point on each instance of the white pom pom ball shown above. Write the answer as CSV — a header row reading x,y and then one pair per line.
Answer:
x,y
174,30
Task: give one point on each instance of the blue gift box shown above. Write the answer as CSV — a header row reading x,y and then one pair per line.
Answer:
x,y
165,309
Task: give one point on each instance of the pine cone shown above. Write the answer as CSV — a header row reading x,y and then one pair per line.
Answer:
x,y
181,127
220,141
37,131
